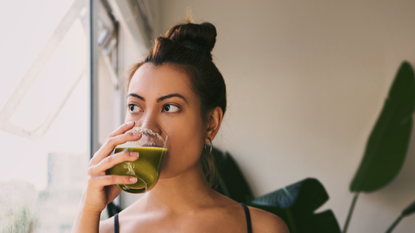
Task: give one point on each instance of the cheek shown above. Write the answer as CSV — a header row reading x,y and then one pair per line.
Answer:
x,y
184,148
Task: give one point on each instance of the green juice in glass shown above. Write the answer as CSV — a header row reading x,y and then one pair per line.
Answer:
x,y
146,168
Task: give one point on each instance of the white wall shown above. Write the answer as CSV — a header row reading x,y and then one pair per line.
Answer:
x,y
306,81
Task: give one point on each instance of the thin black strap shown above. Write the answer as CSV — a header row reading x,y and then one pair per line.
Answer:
x,y
248,217
116,224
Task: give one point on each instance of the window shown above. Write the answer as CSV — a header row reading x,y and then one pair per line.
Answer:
x,y
44,113
46,99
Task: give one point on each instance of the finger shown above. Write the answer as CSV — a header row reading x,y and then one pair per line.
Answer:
x,y
110,144
122,129
112,192
119,131
102,181
112,160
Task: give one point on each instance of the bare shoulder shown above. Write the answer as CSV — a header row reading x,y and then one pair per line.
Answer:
x,y
106,226
263,221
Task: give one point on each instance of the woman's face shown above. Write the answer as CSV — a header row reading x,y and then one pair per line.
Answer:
x,y
163,95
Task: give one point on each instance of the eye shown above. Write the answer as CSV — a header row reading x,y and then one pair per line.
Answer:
x,y
170,108
134,108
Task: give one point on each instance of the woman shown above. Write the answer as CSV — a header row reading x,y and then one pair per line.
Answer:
x,y
178,87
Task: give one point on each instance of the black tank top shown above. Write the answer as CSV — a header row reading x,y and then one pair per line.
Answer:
x,y
247,216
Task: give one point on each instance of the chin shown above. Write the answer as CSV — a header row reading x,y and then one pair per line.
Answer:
x,y
171,170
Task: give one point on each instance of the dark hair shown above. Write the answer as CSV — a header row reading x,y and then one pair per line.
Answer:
x,y
188,47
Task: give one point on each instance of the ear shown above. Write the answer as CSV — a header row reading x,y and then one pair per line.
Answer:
x,y
214,120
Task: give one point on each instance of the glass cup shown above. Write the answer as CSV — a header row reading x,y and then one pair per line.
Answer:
x,y
152,147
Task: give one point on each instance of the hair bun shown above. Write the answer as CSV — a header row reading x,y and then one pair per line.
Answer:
x,y
202,35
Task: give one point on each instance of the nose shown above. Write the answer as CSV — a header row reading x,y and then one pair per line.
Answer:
x,y
150,120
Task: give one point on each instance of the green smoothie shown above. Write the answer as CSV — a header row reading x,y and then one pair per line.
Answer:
x,y
146,168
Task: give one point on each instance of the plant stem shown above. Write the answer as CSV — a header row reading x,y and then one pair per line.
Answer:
x,y
394,224
349,215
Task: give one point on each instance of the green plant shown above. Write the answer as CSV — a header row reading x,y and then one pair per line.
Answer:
x,y
406,212
383,158
19,221
388,143
230,180
295,204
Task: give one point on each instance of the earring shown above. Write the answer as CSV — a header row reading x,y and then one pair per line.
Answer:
x,y
211,145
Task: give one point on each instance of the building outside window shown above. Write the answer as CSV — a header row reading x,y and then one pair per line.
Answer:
x,y
44,113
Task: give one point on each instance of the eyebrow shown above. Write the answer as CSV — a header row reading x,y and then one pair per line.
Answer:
x,y
161,98
137,96
171,96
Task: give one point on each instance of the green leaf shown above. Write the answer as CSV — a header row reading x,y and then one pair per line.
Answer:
x,y
409,210
296,204
388,143
231,181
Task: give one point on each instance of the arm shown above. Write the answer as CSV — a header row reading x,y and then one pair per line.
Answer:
x,y
100,189
86,221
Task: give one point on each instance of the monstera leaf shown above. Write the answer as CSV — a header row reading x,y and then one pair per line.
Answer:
x,y
230,179
296,204
389,140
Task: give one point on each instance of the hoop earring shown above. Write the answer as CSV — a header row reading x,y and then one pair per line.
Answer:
x,y
211,145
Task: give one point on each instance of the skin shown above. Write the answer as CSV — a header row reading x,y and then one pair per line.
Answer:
x,y
182,200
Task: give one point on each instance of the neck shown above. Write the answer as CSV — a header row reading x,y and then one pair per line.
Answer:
x,y
186,191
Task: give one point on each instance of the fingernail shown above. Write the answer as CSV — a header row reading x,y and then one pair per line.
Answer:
x,y
134,154
129,123
133,179
136,134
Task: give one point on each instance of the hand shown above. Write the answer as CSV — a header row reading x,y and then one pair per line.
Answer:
x,y
101,188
